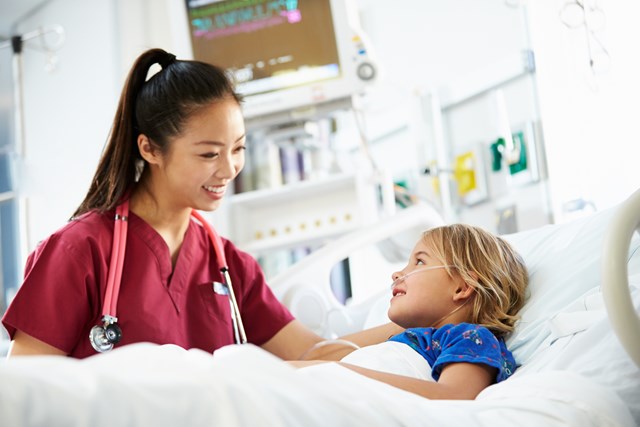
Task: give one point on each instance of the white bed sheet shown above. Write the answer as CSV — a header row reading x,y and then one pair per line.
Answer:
x,y
145,385
574,371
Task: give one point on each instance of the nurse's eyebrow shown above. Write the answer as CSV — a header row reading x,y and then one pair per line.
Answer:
x,y
218,143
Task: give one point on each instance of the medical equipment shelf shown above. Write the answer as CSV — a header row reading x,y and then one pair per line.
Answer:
x,y
303,213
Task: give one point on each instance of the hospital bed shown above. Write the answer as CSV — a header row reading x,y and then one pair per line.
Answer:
x,y
578,342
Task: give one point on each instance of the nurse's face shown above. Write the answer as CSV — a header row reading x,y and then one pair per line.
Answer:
x,y
200,163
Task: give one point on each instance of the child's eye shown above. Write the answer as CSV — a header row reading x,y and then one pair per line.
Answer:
x,y
420,262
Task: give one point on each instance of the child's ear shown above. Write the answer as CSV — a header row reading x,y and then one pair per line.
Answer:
x,y
463,290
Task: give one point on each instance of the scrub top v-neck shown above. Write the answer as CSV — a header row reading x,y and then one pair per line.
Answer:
x,y
65,280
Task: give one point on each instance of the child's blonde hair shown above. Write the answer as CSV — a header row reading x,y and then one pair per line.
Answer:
x,y
488,264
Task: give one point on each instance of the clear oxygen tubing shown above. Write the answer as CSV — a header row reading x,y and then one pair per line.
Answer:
x,y
420,270
348,343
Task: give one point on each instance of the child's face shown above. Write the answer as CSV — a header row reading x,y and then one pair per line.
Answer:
x,y
423,291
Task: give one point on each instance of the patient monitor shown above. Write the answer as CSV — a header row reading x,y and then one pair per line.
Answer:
x,y
289,58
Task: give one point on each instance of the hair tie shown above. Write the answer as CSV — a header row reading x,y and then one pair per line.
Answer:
x,y
167,60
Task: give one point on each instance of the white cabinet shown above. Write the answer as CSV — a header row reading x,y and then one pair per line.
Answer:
x,y
305,213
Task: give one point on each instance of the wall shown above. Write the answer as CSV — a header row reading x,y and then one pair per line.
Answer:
x,y
419,46
587,121
455,51
67,112
592,141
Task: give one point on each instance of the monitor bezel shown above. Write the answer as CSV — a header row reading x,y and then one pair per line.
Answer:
x,y
353,54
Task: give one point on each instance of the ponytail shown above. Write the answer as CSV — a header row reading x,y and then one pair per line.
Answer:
x,y
158,108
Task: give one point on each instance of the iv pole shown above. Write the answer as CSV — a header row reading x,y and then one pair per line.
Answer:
x,y
17,45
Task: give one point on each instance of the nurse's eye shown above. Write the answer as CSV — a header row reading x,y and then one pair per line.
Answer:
x,y
210,155
239,149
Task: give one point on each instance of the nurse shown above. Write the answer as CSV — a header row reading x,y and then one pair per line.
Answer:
x,y
176,143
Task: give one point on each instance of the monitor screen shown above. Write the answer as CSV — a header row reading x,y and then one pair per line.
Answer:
x,y
283,54
269,46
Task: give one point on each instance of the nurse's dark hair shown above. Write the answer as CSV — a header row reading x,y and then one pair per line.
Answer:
x,y
157,107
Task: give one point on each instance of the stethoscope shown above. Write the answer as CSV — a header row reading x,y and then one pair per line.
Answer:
x,y
103,337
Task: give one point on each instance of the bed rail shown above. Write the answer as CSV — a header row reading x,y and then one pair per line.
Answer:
x,y
615,277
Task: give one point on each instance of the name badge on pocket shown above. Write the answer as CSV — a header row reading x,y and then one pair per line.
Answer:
x,y
220,288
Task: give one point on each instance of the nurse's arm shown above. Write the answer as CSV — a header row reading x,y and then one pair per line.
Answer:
x,y
292,341
374,335
337,349
296,340
26,345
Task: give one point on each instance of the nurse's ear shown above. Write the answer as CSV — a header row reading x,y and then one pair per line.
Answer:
x,y
148,151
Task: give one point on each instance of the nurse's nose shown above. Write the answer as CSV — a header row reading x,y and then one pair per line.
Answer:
x,y
227,168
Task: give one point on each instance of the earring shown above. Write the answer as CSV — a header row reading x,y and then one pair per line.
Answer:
x,y
139,166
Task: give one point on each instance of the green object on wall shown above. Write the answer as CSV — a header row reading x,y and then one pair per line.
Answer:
x,y
521,163
496,155
497,150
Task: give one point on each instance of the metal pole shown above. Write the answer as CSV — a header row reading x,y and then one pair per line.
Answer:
x,y
18,98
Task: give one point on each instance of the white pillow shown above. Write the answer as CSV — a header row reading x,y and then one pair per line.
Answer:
x,y
564,262
583,341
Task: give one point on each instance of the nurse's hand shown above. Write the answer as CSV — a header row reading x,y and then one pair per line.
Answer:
x,y
26,345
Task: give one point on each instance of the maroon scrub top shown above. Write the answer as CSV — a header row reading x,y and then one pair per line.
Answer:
x,y
62,294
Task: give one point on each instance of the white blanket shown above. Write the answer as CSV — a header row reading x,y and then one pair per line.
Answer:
x,y
144,385
392,357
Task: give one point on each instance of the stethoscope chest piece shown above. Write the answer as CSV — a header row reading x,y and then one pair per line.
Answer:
x,y
103,338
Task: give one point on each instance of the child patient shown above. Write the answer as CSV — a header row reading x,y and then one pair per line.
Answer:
x,y
457,298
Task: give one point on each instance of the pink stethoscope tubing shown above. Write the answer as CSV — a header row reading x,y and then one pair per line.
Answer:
x,y
238,326
110,304
99,335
